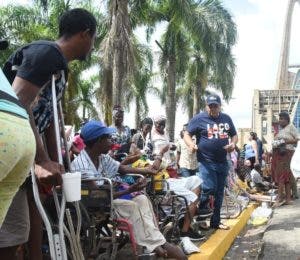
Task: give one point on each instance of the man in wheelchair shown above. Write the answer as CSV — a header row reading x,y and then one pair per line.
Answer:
x,y
129,202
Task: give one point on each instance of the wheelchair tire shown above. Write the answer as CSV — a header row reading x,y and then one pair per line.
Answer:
x,y
147,257
103,256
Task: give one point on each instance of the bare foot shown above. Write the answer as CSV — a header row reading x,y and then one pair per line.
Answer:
x,y
174,251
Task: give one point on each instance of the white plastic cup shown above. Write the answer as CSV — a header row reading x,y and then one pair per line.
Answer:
x,y
72,186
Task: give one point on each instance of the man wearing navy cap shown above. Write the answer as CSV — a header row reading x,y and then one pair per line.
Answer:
x,y
216,136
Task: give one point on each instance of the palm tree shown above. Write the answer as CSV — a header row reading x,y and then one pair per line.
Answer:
x,y
205,23
117,48
141,82
25,24
118,52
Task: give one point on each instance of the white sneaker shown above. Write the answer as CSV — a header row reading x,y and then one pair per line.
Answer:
x,y
188,246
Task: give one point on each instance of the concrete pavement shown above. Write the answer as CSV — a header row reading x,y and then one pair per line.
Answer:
x,y
282,238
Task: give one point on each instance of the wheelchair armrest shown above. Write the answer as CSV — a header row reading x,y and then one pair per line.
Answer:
x,y
135,175
167,185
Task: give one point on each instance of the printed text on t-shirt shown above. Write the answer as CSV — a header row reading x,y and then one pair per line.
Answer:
x,y
218,131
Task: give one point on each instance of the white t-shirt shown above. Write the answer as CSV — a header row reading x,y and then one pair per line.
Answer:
x,y
188,159
108,167
158,142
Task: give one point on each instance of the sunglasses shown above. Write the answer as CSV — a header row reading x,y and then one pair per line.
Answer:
x,y
213,106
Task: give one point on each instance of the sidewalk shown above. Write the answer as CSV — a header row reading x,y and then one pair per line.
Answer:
x,y
282,237
220,241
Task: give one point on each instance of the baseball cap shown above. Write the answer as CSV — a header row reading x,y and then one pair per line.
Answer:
x,y
95,129
213,99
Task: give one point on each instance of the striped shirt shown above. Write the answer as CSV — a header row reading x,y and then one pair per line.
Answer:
x,y
108,167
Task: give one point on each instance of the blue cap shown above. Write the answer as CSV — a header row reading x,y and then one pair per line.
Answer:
x,y
95,129
213,99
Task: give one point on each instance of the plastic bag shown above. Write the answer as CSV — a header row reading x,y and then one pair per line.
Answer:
x,y
260,215
188,246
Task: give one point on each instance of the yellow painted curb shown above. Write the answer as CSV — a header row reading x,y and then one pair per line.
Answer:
x,y
220,241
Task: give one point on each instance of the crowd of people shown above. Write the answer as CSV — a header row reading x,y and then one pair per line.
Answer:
x,y
197,164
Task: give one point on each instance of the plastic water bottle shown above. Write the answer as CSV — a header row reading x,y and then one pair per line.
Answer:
x,y
295,162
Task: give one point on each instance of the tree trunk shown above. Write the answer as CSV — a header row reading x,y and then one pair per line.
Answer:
x,y
137,113
106,100
171,98
196,98
68,104
121,31
190,112
83,112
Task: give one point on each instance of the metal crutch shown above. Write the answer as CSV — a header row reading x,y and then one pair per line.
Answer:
x,y
61,209
56,241
74,237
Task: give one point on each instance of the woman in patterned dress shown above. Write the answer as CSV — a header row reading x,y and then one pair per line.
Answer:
x,y
281,159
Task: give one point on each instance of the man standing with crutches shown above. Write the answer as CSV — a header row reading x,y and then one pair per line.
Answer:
x,y
30,70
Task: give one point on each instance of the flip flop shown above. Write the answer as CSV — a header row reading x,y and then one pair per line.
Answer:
x,y
222,227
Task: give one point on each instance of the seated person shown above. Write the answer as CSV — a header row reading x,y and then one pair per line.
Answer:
x,y
188,187
242,184
94,161
257,180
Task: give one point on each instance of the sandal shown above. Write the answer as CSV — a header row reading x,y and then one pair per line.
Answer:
x,y
222,227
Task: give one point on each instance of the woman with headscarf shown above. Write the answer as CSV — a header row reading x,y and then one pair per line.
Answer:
x,y
159,137
140,138
283,150
122,136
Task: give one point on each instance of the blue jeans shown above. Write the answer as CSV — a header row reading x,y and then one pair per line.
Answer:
x,y
214,179
185,172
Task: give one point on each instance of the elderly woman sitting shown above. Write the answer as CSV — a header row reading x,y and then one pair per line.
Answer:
x,y
128,203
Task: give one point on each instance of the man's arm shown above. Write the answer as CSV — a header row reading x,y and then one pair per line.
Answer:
x,y
47,171
124,169
50,140
189,142
255,148
233,141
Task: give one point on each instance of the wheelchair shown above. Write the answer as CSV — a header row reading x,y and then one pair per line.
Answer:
x,y
169,208
102,233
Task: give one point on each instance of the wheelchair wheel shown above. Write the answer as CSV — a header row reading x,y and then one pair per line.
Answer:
x,y
103,256
231,208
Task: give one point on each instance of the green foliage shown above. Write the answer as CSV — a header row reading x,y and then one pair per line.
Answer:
x,y
23,24
198,39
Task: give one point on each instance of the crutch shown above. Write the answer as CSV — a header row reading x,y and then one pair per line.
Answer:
x,y
56,241
74,238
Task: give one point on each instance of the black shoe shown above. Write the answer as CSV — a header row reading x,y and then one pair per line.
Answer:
x,y
205,212
193,235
